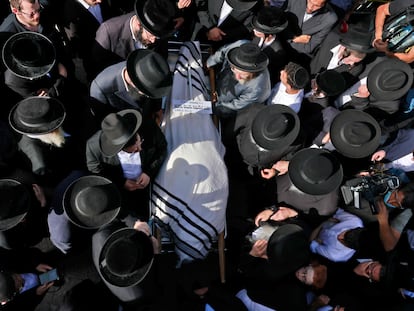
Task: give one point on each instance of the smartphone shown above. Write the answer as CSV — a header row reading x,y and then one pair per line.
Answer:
x,y
49,276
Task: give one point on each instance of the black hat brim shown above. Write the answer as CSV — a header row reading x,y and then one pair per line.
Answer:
x,y
263,127
84,221
297,167
155,92
142,242
57,116
339,125
19,210
110,149
378,87
21,70
259,66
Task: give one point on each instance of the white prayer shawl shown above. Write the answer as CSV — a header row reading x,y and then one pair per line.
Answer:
x,y
190,193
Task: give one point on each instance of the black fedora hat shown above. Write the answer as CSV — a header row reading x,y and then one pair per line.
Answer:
x,y
270,20
91,202
331,82
15,203
149,72
126,257
275,127
288,248
390,79
248,57
37,115
315,171
242,5
357,39
29,55
117,129
355,133
156,16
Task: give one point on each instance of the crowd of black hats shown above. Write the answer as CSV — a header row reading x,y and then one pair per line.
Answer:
x,y
276,158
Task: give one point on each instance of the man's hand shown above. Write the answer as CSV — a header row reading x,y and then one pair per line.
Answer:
x,y
259,249
302,39
43,267
380,45
215,34
39,194
143,181
382,215
42,289
262,216
183,3
378,156
268,173
131,185
281,166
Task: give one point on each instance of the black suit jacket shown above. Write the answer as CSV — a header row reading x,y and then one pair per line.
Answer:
x,y
237,25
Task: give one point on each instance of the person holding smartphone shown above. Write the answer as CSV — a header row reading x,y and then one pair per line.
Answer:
x,y
23,291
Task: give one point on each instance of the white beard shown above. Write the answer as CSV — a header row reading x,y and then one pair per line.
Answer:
x,y
55,138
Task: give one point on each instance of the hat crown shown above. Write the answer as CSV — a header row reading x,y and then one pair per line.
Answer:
x,y
248,54
319,168
34,113
94,200
270,20
153,71
131,257
358,40
331,82
116,129
156,16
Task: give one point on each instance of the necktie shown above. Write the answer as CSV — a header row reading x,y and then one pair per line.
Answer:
x,y
96,12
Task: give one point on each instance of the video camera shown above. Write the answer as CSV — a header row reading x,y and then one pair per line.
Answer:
x,y
368,187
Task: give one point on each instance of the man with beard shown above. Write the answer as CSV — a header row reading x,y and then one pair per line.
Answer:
x,y
140,82
49,151
243,80
119,36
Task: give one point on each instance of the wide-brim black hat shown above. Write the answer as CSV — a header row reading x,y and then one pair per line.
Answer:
x,y
288,248
355,134
126,257
37,115
149,72
156,16
15,203
270,20
29,55
117,129
331,82
275,127
315,171
242,5
248,57
91,202
390,79
357,39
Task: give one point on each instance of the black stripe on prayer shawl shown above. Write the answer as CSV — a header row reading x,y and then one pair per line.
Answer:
x,y
184,246
180,212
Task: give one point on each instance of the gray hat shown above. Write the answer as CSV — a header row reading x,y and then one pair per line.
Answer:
x,y
117,129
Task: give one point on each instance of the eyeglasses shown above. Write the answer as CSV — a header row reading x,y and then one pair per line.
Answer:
x,y
32,14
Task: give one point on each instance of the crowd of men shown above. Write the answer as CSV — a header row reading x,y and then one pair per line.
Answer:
x,y
315,104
